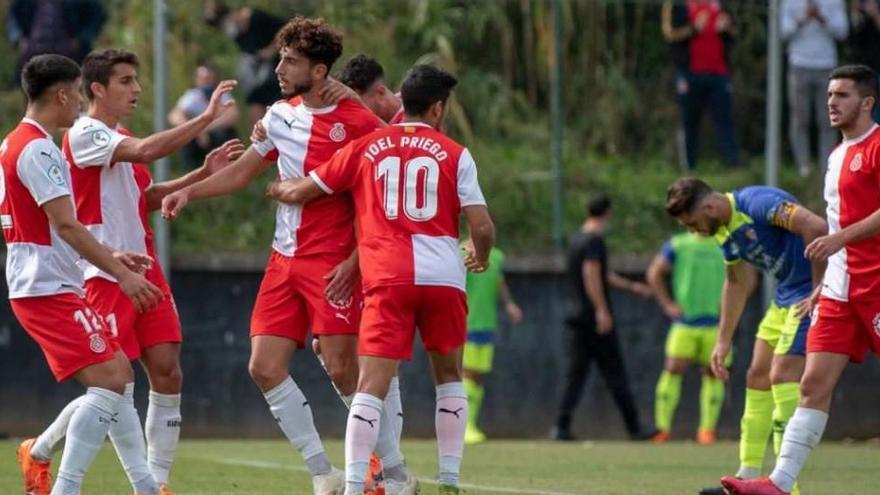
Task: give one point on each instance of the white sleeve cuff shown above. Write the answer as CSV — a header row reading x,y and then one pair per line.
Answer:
x,y
324,187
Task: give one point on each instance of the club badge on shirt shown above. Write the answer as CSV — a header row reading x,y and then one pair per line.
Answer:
x,y
856,163
337,133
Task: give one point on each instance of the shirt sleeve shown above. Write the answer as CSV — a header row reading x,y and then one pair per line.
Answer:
x,y
40,169
267,146
729,253
92,143
469,193
339,173
769,206
593,249
667,252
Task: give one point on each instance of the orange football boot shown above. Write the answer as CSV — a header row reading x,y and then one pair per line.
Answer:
x,y
373,484
37,478
706,437
661,437
759,486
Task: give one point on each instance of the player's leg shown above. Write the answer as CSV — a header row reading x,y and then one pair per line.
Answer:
x,y
711,388
164,420
681,349
477,362
785,375
609,358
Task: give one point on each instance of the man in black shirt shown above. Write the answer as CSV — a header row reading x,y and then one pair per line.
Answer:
x,y
592,326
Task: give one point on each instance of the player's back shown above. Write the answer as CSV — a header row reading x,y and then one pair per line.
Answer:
x,y
412,182
697,276
38,261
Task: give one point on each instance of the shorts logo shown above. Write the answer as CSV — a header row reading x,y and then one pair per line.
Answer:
x,y
337,133
877,324
340,304
97,344
856,163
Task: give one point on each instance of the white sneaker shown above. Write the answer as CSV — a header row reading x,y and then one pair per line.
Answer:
x,y
332,483
408,487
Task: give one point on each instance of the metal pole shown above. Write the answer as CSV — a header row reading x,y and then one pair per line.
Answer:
x,y
556,119
159,110
774,113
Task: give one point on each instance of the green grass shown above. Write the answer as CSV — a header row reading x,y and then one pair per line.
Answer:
x,y
253,467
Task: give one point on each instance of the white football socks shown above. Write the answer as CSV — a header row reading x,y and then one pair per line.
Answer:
x,y
394,407
128,440
294,416
802,434
85,436
450,421
163,433
361,436
50,440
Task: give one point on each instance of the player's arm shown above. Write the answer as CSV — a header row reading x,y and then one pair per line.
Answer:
x,y
823,247
591,270
295,191
734,294
168,141
514,312
622,283
231,179
658,270
672,33
810,227
61,216
218,159
482,231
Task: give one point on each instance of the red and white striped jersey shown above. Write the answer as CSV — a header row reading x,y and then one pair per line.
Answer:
x,y
38,261
300,138
109,195
852,191
409,184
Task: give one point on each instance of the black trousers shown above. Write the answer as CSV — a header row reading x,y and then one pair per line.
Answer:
x,y
587,346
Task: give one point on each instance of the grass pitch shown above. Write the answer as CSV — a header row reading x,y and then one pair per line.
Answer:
x,y
254,467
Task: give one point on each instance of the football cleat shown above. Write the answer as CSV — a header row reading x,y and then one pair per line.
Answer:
x,y
332,483
373,484
715,490
408,487
661,437
706,437
758,486
164,490
37,478
473,436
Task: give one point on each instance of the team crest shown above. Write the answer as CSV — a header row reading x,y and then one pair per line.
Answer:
x,y
97,344
337,133
877,324
346,304
56,175
856,163
100,138
751,235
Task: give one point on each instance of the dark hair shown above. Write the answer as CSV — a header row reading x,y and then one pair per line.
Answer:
x,y
314,38
684,195
361,72
863,76
598,205
98,66
44,71
423,86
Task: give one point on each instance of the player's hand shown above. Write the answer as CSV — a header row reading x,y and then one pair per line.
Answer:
x,y
641,289
719,356
673,311
143,294
604,322
805,307
217,105
513,312
258,133
222,156
722,23
334,91
135,262
273,190
823,247
471,262
174,203
341,281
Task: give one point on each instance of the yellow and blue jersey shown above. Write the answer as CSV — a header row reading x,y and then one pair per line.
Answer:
x,y
759,233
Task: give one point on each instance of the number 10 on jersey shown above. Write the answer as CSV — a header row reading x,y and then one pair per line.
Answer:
x,y
421,176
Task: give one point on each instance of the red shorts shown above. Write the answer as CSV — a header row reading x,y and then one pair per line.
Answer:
x,y
291,300
393,312
849,328
71,334
136,331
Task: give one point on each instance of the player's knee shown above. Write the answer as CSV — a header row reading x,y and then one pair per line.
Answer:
x,y
676,366
815,391
266,376
167,379
758,377
344,375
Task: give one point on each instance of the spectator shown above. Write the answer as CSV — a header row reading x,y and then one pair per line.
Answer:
x,y
812,29
253,30
592,327
865,37
191,104
700,33
64,27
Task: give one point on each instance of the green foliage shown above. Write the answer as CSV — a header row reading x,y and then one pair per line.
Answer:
x,y
619,113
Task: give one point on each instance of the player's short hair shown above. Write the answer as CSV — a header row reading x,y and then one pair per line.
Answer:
x,y
361,72
423,86
684,195
598,205
98,66
863,76
314,38
44,71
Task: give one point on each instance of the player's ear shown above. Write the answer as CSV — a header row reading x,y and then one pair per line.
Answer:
x,y
320,71
97,89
